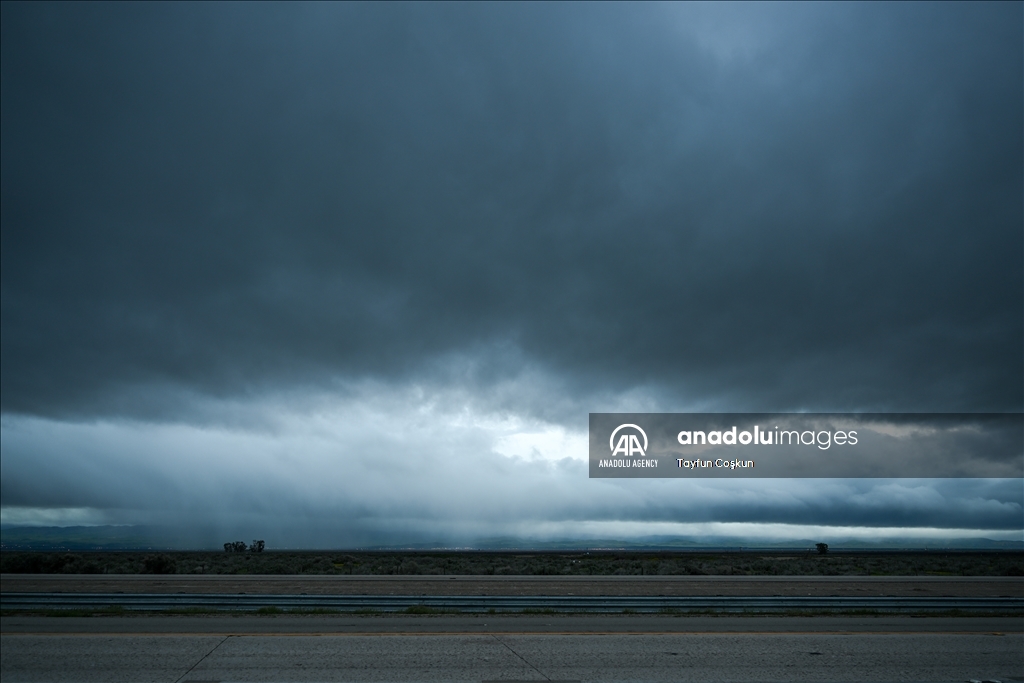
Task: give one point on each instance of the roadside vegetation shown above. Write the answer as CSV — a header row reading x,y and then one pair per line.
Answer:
x,y
602,563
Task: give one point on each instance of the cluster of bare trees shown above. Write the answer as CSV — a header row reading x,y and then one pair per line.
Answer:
x,y
241,547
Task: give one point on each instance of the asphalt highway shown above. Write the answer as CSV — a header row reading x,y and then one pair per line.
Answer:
x,y
500,603
465,647
234,624
462,648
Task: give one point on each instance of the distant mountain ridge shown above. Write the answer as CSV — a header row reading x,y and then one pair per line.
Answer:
x,y
80,538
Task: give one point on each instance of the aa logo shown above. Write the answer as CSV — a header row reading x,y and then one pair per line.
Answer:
x,y
628,444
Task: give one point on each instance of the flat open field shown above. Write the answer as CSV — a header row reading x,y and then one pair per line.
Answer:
x,y
817,586
478,563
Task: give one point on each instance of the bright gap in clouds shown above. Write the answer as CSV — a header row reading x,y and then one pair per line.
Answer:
x,y
539,441
391,466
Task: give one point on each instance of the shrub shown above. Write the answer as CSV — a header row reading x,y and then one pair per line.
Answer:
x,y
158,564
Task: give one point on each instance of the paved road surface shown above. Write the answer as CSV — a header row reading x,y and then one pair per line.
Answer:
x,y
609,648
490,604
283,624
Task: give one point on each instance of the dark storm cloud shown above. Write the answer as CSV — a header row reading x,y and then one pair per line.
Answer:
x,y
781,208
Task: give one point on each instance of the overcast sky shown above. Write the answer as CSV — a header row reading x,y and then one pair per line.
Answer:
x,y
357,274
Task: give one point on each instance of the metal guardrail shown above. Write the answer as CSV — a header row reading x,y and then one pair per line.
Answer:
x,y
500,603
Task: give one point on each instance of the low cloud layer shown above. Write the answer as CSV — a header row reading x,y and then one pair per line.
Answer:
x,y
387,469
247,250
